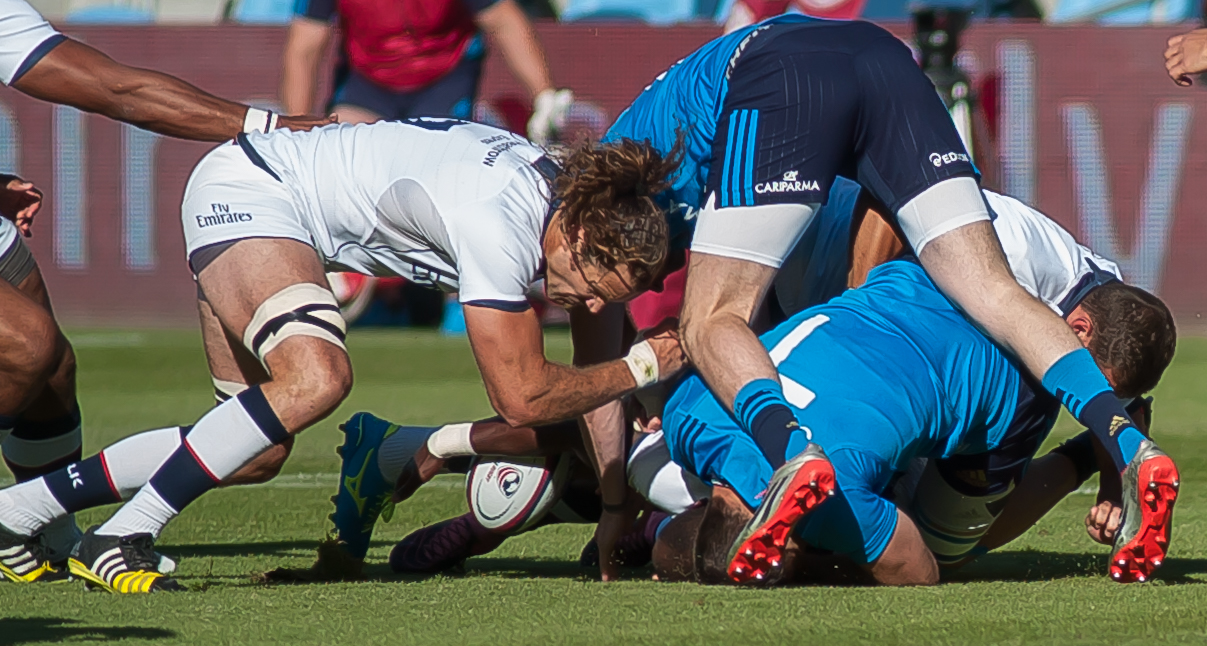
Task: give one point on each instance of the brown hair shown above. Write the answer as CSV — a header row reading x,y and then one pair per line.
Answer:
x,y
607,193
1133,335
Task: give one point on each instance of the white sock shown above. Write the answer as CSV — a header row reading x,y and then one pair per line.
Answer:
x,y
132,461
26,507
398,449
222,442
146,513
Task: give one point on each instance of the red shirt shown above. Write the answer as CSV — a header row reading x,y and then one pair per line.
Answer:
x,y
401,44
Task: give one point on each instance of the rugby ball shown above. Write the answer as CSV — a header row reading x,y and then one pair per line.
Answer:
x,y
512,494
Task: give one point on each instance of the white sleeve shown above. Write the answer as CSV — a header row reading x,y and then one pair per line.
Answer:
x,y
497,256
25,37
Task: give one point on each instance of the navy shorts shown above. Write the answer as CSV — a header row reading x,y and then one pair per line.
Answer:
x,y
450,96
810,101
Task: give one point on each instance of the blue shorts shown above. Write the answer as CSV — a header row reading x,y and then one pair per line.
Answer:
x,y
451,96
704,439
809,101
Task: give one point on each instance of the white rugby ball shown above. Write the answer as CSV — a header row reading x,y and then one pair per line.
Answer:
x,y
512,494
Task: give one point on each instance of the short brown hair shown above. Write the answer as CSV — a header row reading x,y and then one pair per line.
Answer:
x,y
1133,335
607,193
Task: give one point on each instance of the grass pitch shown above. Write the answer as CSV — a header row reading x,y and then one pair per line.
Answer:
x,y
1048,587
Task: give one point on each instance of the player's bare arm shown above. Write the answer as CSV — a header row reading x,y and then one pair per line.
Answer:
x,y
305,43
511,32
1186,54
906,560
77,75
525,387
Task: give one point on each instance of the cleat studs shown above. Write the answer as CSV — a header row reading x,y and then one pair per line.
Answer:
x,y
1153,485
812,484
829,492
1176,484
1121,562
775,563
738,570
1156,562
1116,575
1140,578
749,552
759,576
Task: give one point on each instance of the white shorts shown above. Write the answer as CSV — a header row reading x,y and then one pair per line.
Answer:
x,y
8,235
229,198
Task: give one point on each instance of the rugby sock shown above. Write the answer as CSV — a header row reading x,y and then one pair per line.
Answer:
x,y
1080,451
1076,379
108,477
223,440
37,447
761,409
398,449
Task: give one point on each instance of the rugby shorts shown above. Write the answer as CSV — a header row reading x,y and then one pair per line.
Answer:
x,y
808,102
231,197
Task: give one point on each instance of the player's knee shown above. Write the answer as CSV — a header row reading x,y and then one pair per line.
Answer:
x,y
315,375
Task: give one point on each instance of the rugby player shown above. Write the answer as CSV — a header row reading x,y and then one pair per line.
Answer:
x,y
458,205
894,373
845,241
39,415
777,110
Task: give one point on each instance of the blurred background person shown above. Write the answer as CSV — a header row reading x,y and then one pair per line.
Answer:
x,y
400,59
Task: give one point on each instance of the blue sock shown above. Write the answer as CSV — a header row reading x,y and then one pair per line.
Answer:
x,y
1078,382
761,409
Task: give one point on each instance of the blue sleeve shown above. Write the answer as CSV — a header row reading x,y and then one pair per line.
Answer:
x,y
857,521
323,10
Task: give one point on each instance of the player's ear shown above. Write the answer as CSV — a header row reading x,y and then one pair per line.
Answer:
x,y
1082,324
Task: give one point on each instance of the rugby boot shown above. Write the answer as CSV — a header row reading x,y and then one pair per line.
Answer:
x,y
796,488
60,538
120,564
443,546
23,559
364,494
1150,488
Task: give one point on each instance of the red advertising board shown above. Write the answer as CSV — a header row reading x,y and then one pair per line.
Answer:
x,y
1085,125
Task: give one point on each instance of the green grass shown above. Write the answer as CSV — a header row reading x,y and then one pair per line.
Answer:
x,y
1047,587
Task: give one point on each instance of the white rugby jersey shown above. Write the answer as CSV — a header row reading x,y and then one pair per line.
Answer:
x,y
25,37
1046,260
446,203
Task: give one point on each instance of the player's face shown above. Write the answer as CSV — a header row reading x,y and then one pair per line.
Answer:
x,y
571,283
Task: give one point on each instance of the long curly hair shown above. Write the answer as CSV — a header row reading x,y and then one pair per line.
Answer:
x,y
607,193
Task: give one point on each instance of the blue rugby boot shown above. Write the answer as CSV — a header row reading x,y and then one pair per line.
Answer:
x,y
364,494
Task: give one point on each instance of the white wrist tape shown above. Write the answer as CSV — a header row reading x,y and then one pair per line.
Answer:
x,y
643,363
450,441
258,120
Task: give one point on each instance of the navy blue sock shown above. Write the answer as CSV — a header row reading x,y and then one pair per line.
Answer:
x,y
761,409
1078,382
82,485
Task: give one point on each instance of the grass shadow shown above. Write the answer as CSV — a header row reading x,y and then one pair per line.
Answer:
x,y
55,629
266,548
1036,565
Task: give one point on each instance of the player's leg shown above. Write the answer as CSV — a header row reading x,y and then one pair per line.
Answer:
x,y
929,182
775,157
381,460
356,99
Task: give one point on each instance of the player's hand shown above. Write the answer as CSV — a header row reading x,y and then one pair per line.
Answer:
x,y
304,122
20,202
1186,55
549,111
612,525
1103,521
664,339
419,470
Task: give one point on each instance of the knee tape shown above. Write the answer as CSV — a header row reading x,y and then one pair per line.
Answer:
x,y
942,208
659,480
951,523
224,390
304,309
